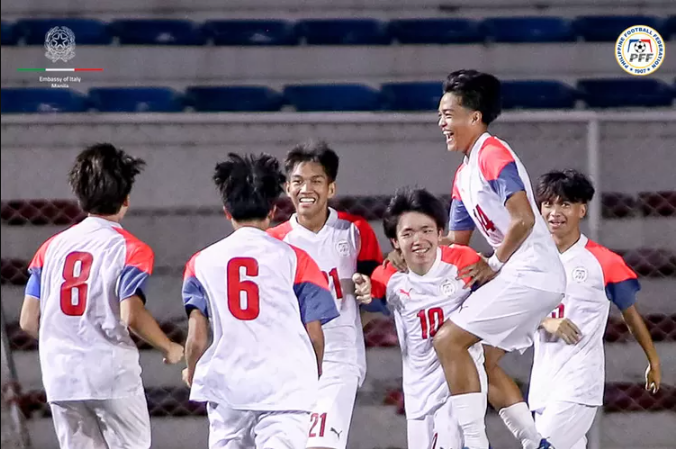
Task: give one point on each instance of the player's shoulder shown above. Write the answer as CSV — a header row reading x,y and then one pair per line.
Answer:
x,y
459,256
130,239
281,230
612,264
386,274
357,220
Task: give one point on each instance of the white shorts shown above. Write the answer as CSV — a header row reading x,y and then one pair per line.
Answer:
x,y
246,429
100,423
331,416
565,424
435,431
505,314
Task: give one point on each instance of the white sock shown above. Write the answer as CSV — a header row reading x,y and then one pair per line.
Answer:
x,y
519,421
470,409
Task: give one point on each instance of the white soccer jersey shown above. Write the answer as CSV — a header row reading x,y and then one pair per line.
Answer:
x,y
344,246
258,293
483,183
421,304
576,373
80,276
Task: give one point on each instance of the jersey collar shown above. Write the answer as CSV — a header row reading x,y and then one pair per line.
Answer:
x,y
474,153
580,244
430,273
102,222
330,221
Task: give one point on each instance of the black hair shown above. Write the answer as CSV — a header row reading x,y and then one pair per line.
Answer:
x,y
567,185
249,185
318,152
477,91
102,178
409,199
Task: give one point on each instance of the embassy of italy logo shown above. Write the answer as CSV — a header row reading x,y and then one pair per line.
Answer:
x,y
60,44
640,50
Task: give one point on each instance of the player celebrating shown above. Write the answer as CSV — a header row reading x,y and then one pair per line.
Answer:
x,y
347,251
86,289
492,190
266,302
567,380
421,299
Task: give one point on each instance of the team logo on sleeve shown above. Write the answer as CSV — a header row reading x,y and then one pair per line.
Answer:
x,y
579,274
447,288
640,50
343,248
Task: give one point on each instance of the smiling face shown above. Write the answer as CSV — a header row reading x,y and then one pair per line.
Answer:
x,y
418,239
310,188
562,216
460,126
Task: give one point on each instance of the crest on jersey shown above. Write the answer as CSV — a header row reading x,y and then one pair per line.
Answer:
x,y
447,288
580,274
343,248
60,44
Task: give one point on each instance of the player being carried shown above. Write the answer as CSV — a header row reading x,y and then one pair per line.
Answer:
x,y
85,292
347,251
521,282
266,302
421,300
567,381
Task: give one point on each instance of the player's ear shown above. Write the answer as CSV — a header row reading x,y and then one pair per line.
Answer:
x,y
476,117
332,189
395,244
272,213
125,203
287,188
227,214
583,211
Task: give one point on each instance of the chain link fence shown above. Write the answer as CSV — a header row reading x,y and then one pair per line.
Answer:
x,y
630,219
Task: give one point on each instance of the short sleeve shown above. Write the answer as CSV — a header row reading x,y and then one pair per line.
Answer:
x,y
370,255
193,292
499,168
621,282
34,284
312,290
138,266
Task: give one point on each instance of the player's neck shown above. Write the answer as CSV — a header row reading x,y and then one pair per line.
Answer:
x,y
114,218
564,242
314,224
473,142
258,224
421,270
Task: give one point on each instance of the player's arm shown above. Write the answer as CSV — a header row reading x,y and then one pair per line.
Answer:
x,y
379,279
196,343
521,224
639,330
562,328
316,333
30,316
134,313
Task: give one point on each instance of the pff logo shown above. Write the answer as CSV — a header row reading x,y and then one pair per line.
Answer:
x,y
640,50
60,44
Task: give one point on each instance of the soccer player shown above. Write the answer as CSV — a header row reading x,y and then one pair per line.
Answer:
x,y
85,291
347,251
521,282
266,302
421,299
567,381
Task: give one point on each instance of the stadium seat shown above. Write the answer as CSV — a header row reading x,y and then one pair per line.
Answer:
x,y
608,28
135,99
614,93
657,204
333,97
30,100
412,96
9,36
343,32
670,28
86,31
528,29
435,31
157,32
250,32
233,99
538,95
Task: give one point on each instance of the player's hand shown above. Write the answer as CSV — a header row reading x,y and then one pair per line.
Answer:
x,y
397,260
174,354
362,288
478,273
564,329
653,379
187,377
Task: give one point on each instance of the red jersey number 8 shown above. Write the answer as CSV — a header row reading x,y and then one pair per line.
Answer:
x,y
75,279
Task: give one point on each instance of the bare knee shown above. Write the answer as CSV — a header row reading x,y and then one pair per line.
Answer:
x,y
451,337
492,357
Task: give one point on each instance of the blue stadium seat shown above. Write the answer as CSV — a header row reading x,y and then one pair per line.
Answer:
x,y
670,28
615,93
157,32
233,99
412,96
436,31
9,37
27,101
343,32
528,29
135,99
608,28
538,95
250,32
86,31
333,97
